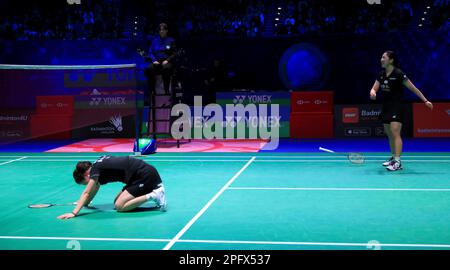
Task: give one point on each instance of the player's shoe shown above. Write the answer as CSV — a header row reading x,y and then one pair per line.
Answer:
x,y
388,162
160,198
394,166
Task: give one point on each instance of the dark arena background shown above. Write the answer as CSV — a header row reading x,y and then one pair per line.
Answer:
x,y
233,103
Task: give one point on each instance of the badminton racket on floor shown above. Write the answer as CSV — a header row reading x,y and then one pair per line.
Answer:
x,y
353,157
46,205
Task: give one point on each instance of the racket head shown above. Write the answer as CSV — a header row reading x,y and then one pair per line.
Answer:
x,y
355,158
40,205
46,205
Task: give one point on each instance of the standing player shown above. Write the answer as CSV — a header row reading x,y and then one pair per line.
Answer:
x,y
391,81
142,182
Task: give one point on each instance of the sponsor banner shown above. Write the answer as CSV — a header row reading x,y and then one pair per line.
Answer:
x,y
311,125
431,123
51,126
365,120
283,131
281,98
257,97
103,123
105,102
14,125
54,104
319,101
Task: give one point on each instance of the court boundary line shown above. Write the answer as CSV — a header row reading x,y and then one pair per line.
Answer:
x,y
207,205
245,242
232,155
306,160
83,238
18,159
342,189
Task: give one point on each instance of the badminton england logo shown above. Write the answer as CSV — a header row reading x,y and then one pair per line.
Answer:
x,y
116,121
230,121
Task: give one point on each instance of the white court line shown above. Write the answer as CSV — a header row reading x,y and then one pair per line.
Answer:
x,y
306,160
225,241
18,159
366,161
313,243
83,238
203,210
343,189
161,160
313,155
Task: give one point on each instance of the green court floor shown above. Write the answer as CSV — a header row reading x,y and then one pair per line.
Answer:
x,y
235,201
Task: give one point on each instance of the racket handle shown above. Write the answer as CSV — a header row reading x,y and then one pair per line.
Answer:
x,y
326,150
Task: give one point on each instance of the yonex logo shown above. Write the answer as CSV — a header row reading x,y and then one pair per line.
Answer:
x,y
239,99
255,99
110,101
95,101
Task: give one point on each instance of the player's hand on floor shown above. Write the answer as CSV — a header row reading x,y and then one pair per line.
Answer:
x,y
66,216
429,105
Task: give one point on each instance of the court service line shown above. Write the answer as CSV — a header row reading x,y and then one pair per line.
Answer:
x,y
18,159
203,210
344,189
245,242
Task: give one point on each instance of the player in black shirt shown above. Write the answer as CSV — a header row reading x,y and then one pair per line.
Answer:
x,y
391,81
142,182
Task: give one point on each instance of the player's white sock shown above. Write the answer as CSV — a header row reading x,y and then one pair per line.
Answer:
x,y
397,159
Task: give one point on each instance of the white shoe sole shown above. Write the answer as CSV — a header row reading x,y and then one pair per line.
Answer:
x,y
399,169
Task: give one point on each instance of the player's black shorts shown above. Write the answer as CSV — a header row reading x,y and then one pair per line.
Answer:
x,y
392,112
144,181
